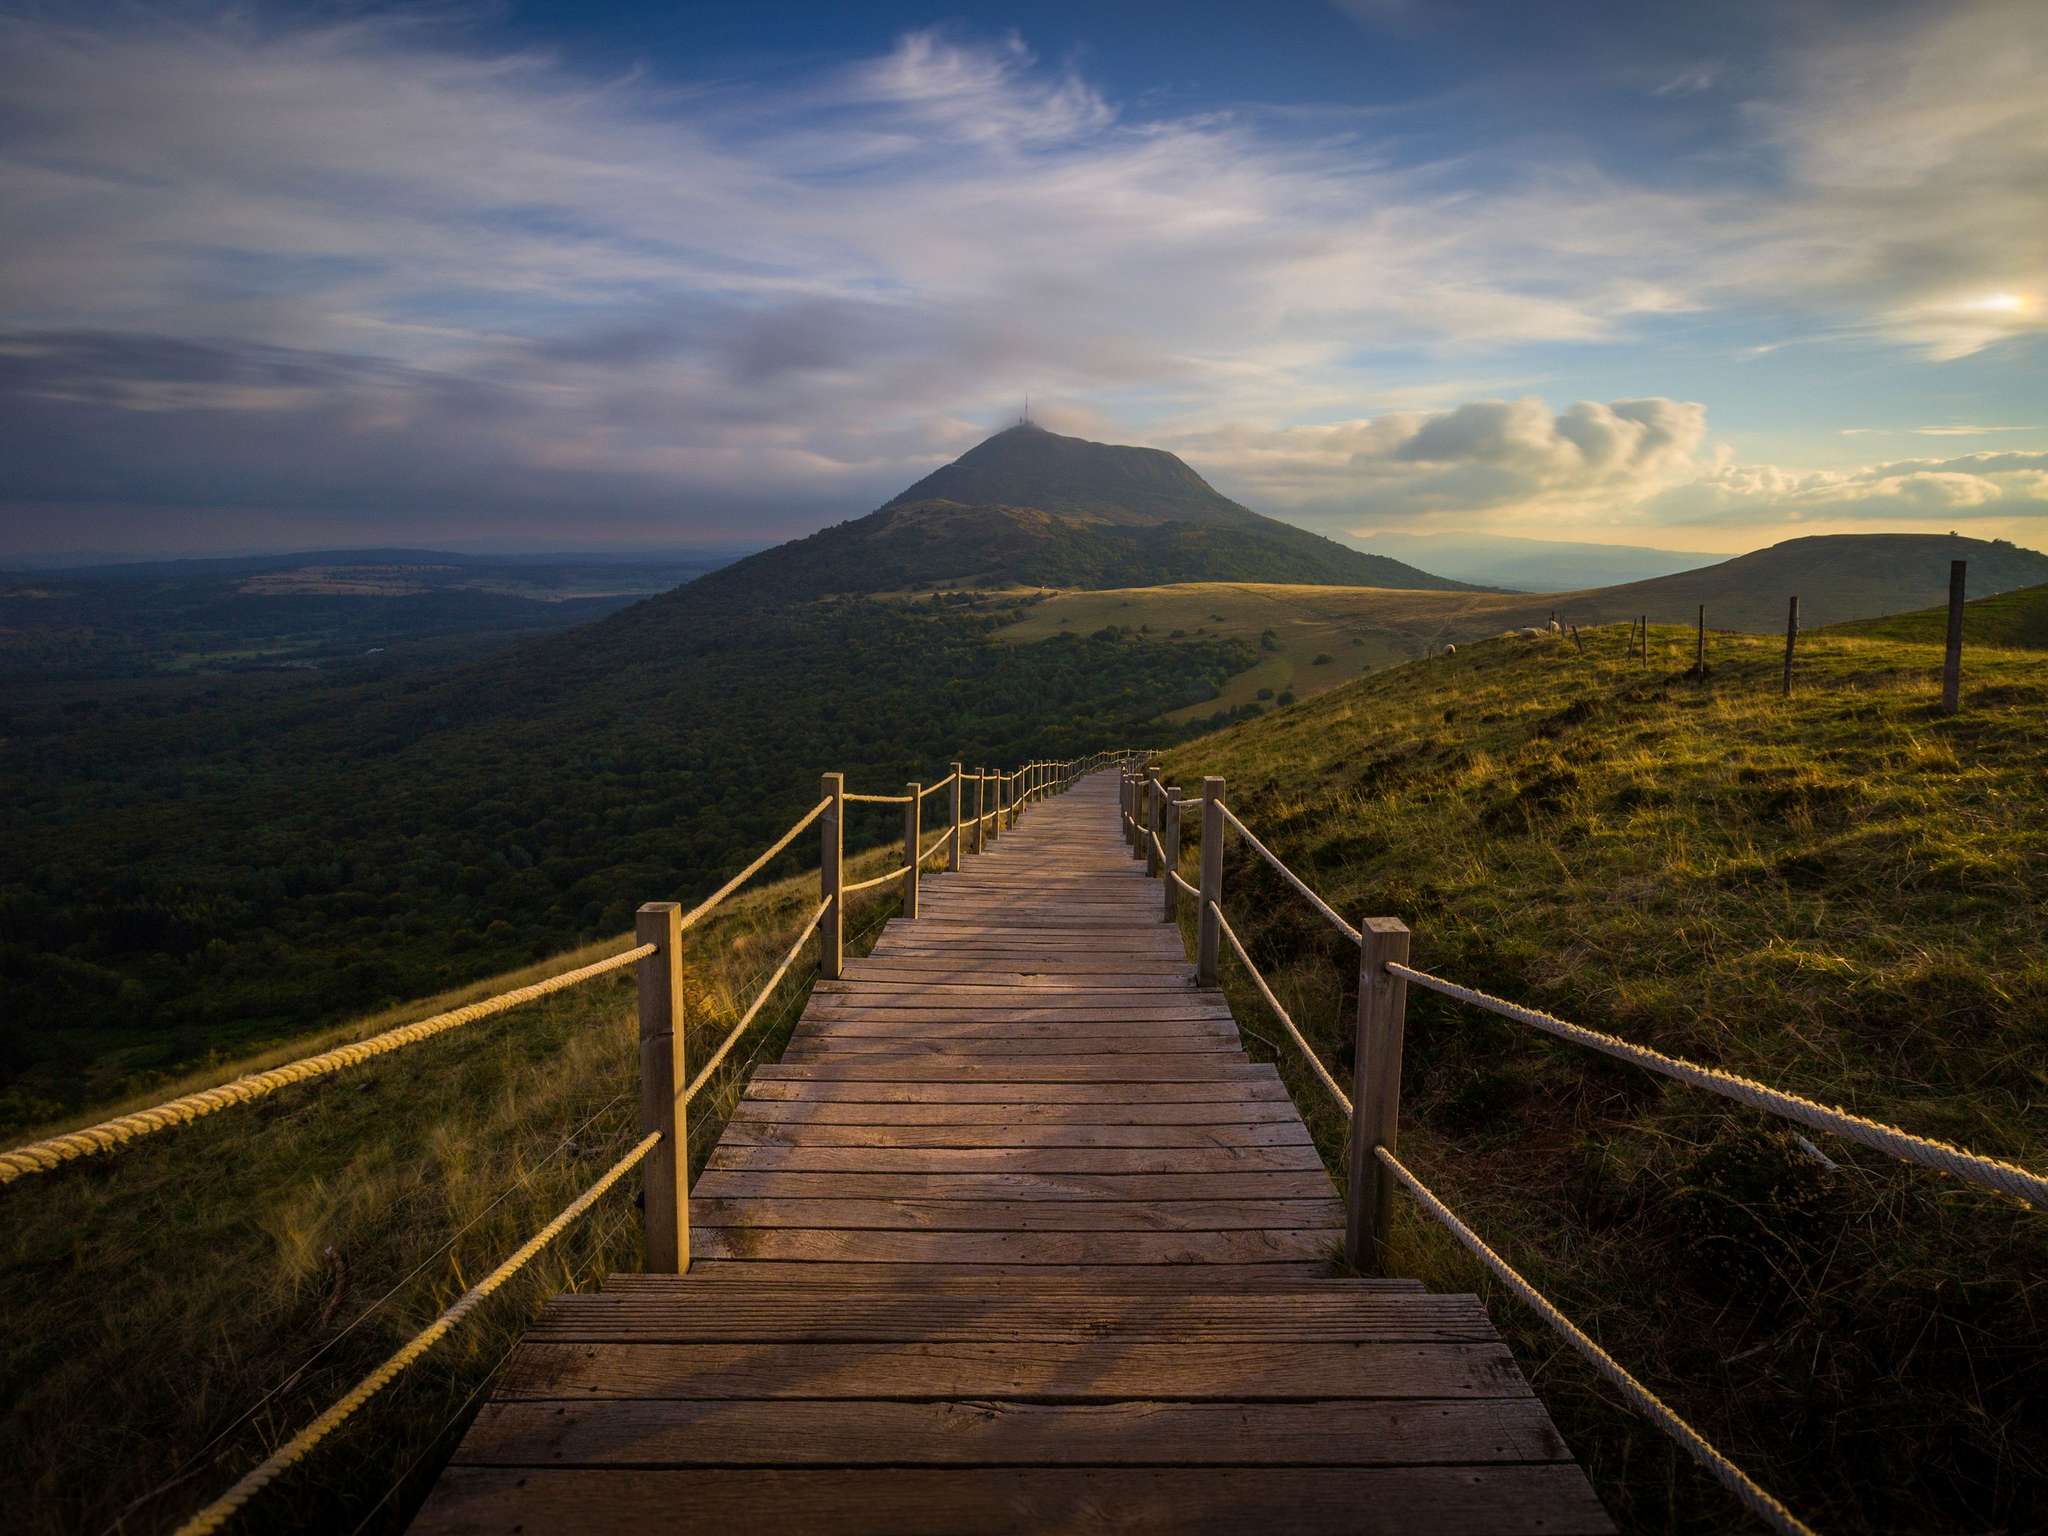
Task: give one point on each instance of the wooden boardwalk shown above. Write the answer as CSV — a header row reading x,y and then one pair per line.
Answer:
x,y
1015,1238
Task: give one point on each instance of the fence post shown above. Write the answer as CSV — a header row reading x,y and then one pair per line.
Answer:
x,y
1375,1092
953,858
913,836
1791,640
1001,807
1952,662
1208,935
665,1199
1171,840
831,853
980,808
1154,823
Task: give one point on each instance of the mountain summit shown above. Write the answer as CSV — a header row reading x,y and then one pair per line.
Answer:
x,y
1027,466
1029,507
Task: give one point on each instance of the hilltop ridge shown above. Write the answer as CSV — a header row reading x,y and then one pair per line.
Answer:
x,y
1028,507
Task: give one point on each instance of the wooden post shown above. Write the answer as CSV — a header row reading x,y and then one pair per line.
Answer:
x,y
1155,822
995,803
1577,641
1952,662
1699,645
666,1181
1791,641
831,877
953,858
913,834
1141,814
1170,839
1208,935
980,808
1375,1092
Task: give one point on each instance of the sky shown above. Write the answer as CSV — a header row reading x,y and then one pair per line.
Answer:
x,y
568,274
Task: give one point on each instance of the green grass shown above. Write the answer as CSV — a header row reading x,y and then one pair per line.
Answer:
x,y
2013,620
1840,894
1320,637
156,1294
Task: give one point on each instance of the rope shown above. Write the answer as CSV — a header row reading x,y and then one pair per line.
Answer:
x,y
705,1071
2006,1178
216,1514
877,799
754,868
1190,801
1753,1496
933,789
42,1156
1174,876
1289,875
938,841
1315,1061
868,885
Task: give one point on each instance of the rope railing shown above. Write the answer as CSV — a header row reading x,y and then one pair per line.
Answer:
x,y
1752,1494
1992,1173
1288,875
659,1026
1384,948
1315,1062
41,1156
882,879
690,917
216,1515
767,990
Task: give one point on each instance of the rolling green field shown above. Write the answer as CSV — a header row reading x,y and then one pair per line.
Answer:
x,y
1838,894
2016,620
1311,639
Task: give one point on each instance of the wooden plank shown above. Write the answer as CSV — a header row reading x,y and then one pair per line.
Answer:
x,y
1206,1501
1165,1277
1269,1089
998,1160
1230,1112
1145,1069
811,1049
1081,1371
809,1245
1352,1432
767,1133
1022,1215
760,1184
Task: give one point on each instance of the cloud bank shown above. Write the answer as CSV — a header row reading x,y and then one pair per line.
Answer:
x,y
301,282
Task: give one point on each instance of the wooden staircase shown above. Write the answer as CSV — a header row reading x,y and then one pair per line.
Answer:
x,y
1016,1238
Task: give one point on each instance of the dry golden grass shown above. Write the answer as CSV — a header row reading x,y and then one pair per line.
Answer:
x,y
180,1307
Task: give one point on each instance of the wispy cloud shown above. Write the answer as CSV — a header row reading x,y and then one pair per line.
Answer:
x,y
368,273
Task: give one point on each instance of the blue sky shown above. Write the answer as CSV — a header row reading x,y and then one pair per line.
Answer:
x,y
548,275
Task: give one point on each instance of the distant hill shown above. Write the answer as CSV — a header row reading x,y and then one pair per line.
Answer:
x,y
1836,577
2015,620
1534,565
1030,507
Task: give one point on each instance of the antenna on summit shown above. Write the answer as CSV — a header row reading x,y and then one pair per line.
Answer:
x,y
1027,412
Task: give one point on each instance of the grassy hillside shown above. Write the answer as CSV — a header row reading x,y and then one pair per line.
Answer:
x,y
2018,620
156,1295
1839,894
1835,576
1308,639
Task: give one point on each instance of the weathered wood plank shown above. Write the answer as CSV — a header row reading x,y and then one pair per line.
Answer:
x,y
838,1245
758,1133
913,1069
1022,1215
1079,1371
1162,1160
1353,1432
1270,1089
1207,1501
811,1112
761,1184
808,1048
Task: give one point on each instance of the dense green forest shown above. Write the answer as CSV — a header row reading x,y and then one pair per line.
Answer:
x,y
197,865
